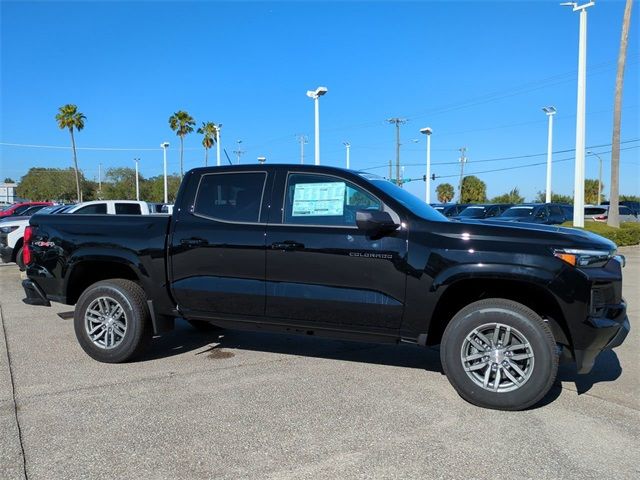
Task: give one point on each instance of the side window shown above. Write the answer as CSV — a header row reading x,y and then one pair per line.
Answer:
x,y
21,209
95,209
324,200
234,197
625,211
556,211
128,209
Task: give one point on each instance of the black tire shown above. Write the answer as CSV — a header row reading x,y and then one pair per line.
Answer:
x,y
131,297
20,260
521,320
203,326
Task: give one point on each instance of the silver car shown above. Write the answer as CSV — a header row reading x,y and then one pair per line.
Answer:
x,y
600,213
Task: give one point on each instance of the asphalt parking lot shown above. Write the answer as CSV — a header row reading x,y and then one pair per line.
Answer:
x,y
247,405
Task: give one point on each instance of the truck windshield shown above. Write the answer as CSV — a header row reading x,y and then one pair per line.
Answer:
x,y
473,212
410,201
518,212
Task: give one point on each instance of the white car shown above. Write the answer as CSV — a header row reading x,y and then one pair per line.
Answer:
x,y
111,207
600,213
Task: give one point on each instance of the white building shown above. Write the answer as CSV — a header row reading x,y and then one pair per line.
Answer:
x,y
7,192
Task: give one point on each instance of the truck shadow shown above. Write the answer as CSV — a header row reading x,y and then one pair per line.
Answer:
x,y
216,345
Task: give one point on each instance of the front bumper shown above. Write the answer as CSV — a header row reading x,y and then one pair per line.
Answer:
x,y
608,332
35,295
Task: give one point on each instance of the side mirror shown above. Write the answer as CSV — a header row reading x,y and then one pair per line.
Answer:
x,y
375,222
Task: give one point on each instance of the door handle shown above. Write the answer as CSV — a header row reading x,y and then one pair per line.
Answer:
x,y
288,245
193,242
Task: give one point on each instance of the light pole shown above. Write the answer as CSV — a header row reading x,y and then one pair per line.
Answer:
x,y
397,122
239,151
136,160
427,195
316,94
599,176
550,111
578,187
347,146
164,146
217,128
303,141
261,160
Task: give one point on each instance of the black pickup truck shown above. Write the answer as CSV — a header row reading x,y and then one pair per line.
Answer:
x,y
330,252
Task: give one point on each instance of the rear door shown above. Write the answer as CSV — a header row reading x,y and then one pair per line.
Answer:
x,y
217,251
322,271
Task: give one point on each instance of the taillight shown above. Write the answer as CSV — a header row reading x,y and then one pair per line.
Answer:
x,y
601,217
26,245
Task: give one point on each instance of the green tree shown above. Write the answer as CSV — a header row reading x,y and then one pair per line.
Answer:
x,y
120,184
154,188
474,190
614,219
629,198
8,180
210,132
69,117
510,197
591,191
182,123
41,184
445,192
541,197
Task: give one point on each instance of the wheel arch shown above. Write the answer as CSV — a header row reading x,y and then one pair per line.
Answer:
x,y
87,271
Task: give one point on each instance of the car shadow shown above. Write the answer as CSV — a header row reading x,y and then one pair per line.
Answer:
x,y
606,368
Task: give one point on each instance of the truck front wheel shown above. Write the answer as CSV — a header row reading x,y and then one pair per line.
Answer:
x,y
112,321
499,354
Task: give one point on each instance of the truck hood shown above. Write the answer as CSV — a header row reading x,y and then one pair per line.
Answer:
x,y
530,233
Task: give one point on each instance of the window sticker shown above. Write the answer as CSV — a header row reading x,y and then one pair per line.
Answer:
x,y
318,199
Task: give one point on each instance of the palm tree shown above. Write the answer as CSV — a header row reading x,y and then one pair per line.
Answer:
x,y
209,130
69,117
182,123
614,219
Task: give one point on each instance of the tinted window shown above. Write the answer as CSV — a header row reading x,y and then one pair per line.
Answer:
x,y
518,212
95,209
19,210
625,211
413,203
594,211
235,197
128,209
325,200
556,211
473,212
32,210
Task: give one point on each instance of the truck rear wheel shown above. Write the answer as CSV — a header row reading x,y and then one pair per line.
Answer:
x,y
112,321
499,354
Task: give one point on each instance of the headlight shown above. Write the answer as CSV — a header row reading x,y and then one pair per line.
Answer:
x,y
8,229
583,258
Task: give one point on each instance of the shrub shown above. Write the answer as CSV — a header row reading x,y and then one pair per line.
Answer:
x,y
627,234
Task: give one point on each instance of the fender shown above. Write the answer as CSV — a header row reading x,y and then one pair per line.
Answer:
x,y
500,271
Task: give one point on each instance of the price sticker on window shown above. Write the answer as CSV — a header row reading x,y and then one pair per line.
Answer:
x,y
318,199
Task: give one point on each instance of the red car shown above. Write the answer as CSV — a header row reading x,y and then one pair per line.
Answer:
x,y
18,208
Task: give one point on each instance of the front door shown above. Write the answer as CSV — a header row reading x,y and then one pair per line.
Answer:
x,y
322,270
218,246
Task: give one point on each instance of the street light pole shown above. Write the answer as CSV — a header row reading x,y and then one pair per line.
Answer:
x,y
218,127
550,111
316,94
136,160
347,145
599,176
164,147
463,160
578,193
427,195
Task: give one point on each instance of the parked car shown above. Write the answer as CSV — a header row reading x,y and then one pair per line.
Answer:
x,y
634,206
482,211
544,213
155,207
111,207
19,208
601,213
323,251
450,209
12,233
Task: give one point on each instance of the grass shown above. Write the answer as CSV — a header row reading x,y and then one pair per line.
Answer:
x,y
627,234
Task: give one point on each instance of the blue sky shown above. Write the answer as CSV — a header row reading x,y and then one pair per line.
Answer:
x,y
477,73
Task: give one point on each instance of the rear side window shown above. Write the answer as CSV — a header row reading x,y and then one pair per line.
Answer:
x,y
594,211
21,209
233,197
96,209
625,211
555,210
128,209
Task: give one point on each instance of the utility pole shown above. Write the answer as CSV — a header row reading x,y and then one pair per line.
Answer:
x,y
347,145
599,176
217,128
303,141
390,170
397,121
239,151
463,160
550,111
100,177
137,183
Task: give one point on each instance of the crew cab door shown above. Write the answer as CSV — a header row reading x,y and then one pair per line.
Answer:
x,y
322,271
217,252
